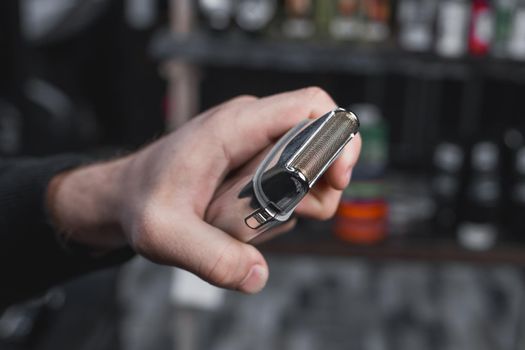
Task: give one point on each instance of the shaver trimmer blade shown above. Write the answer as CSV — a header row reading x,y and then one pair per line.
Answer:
x,y
325,139
307,152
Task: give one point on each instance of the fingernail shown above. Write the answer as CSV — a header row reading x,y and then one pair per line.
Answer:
x,y
255,280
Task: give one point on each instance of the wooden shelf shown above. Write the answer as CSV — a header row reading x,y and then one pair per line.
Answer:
x,y
318,239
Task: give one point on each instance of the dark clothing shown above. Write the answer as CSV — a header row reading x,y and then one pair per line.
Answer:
x,y
31,257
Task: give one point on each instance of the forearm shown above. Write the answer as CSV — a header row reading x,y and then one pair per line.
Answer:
x,y
32,258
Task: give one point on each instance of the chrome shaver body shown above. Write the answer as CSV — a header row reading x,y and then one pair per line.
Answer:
x,y
294,165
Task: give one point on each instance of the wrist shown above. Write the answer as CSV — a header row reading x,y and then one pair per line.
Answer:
x,y
84,205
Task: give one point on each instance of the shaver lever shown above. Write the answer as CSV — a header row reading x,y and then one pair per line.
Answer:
x,y
259,217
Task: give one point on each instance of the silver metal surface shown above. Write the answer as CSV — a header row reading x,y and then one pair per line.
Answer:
x,y
303,154
322,144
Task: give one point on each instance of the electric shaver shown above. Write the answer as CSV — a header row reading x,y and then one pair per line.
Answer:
x,y
293,167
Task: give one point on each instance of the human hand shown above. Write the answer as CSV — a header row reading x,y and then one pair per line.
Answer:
x,y
168,200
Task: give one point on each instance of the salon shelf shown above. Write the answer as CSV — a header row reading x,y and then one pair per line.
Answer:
x,y
241,51
317,239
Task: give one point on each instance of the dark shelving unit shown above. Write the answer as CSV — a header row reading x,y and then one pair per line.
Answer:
x,y
318,239
427,74
237,50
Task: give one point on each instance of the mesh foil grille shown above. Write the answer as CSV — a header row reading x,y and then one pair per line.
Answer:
x,y
325,144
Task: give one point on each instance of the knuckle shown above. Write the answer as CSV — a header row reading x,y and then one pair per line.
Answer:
x,y
328,210
234,105
317,93
227,117
224,272
242,99
238,103
229,111
223,115
213,127
232,266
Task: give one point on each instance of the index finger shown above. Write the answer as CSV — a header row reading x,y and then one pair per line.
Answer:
x,y
262,121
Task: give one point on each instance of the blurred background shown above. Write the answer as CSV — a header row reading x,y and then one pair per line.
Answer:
x,y
427,248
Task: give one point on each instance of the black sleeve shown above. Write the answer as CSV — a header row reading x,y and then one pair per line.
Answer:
x,y
31,257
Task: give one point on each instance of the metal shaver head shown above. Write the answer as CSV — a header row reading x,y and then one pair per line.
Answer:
x,y
307,152
314,149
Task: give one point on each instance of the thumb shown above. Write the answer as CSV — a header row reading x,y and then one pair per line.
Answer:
x,y
204,250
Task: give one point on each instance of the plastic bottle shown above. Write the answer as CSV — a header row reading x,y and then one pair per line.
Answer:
x,y
255,15
448,163
478,229
362,216
299,19
503,16
415,20
516,43
347,20
481,28
452,28
217,14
